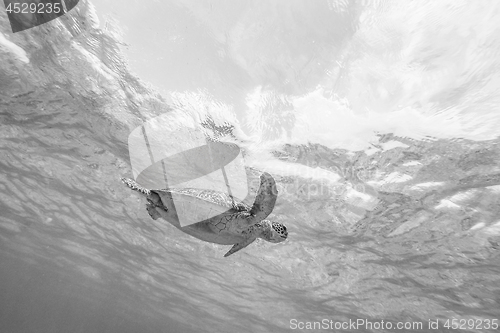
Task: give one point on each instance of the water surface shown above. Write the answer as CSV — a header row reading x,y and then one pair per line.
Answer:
x,y
377,119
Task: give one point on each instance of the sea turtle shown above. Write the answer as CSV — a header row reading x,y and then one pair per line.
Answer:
x,y
236,224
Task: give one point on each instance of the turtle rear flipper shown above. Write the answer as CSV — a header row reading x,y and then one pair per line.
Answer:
x,y
238,246
155,199
265,199
152,211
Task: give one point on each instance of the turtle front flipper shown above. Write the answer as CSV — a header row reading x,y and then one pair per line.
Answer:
x,y
238,246
265,199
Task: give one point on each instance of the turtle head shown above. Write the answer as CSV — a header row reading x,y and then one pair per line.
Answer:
x,y
273,232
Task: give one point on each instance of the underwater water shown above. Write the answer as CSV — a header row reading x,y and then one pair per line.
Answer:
x,y
378,119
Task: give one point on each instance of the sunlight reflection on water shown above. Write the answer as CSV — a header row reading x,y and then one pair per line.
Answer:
x,y
377,120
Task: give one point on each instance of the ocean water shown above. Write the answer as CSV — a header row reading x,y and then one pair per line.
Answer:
x,y
378,119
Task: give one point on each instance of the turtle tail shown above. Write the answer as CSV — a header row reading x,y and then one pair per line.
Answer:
x,y
136,187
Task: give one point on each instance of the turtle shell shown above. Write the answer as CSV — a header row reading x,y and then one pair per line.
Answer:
x,y
196,205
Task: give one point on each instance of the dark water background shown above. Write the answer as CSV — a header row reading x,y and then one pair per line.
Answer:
x,y
384,146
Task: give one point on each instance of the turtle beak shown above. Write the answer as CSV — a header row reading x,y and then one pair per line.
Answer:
x,y
280,236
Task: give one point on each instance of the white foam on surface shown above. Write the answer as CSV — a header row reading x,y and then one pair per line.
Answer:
x,y
463,196
412,163
393,144
426,185
9,47
341,127
446,204
352,194
494,189
479,225
283,168
494,229
396,177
